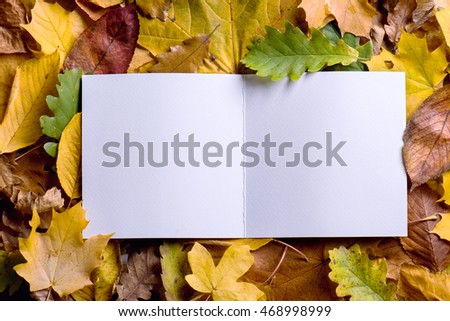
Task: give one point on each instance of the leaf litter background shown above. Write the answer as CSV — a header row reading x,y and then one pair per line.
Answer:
x,y
45,47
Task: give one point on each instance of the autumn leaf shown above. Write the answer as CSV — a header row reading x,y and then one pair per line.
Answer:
x,y
105,3
442,228
63,107
68,162
359,277
174,266
140,278
419,284
424,70
291,53
92,10
423,247
183,58
54,28
238,23
353,16
426,152
443,17
317,13
8,277
221,280
445,185
254,244
155,8
391,249
107,46
34,80
422,12
12,14
398,18
59,258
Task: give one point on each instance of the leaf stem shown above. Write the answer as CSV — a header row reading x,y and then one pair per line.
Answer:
x,y
292,248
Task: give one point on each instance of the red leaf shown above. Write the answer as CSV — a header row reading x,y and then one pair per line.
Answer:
x,y
107,46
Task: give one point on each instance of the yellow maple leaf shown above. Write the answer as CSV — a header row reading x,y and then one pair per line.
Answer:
x,y
443,18
34,80
59,258
442,228
54,28
424,70
317,13
354,16
68,162
237,22
221,280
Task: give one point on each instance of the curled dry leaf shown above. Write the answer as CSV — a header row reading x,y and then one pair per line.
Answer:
x,y
426,151
423,247
107,46
398,18
12,14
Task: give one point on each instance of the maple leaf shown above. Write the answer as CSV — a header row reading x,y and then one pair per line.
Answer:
x,y
8,277
63,107
221,280
423,247
359,277
174,266
419,284
183,58
155,9
424,70
442,228
238,22
426,149
317,13
138,281
54,28
59,258
291,53
107,46
68,162
34,80
12,14
353,16
443,17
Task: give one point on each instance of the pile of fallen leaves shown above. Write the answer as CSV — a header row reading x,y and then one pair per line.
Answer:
x,y
45,47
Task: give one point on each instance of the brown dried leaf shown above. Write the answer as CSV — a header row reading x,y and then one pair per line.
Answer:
x,y
391,249
12,14
422,13
183,58
398,18
107,46
138,281
426,151
423,247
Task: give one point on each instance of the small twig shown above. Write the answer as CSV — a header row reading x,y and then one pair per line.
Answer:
x,y
292,248
29,151
277,267
48,294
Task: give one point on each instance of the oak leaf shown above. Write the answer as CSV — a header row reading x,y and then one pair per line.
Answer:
x,y
142,269
155,8
238,22
12,14
68,162
184,58
423,247
221,280
107,46
443,17
424,70
59,258
174,266
291,53
34,80
426,150
317,13
417,283
442,228
54,28
359,277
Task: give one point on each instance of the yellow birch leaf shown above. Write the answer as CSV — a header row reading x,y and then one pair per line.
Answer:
x,y
68,161
106,3
443,18
353,16
59,258
54,28
221,280
34,80
237,22
317,13
442,228
424,70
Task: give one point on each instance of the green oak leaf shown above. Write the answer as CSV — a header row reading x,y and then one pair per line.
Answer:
x,y
291,53
359,277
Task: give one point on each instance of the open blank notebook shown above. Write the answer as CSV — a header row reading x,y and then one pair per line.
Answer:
x,y
225,156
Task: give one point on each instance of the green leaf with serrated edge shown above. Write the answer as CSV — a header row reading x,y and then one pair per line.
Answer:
x,y
9,277
291,53
65,106
359,277
174,266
